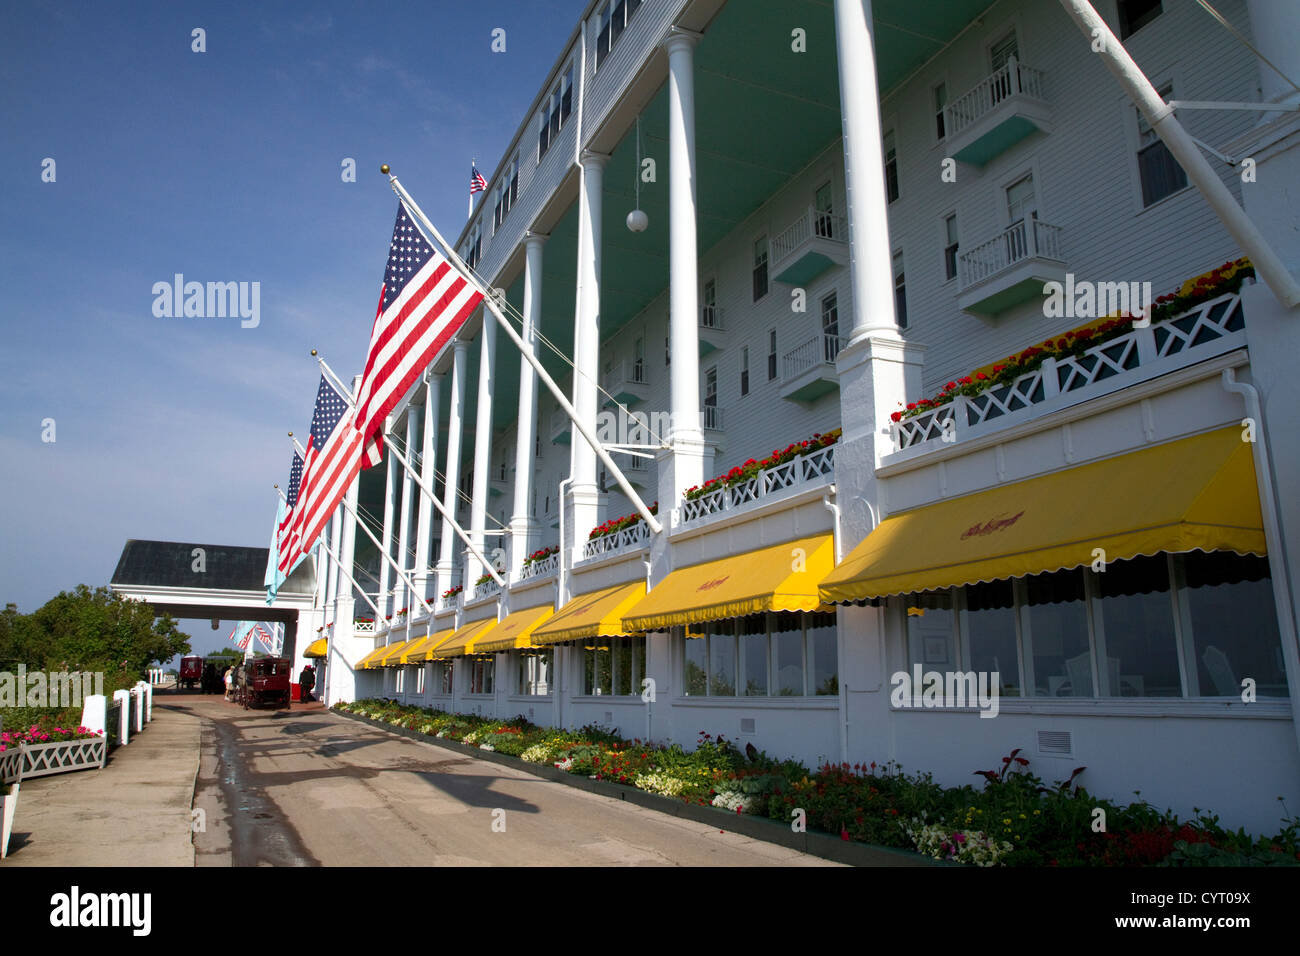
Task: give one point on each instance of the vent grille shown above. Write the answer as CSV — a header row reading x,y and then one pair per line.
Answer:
x,y
747,725
1057,742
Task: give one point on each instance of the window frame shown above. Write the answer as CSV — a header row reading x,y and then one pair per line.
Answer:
x,y
1125,28
951,248
900,286
729,630
772,369
762,262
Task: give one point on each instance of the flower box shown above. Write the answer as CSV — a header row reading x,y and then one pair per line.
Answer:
x,y
63,756
8,807
11,764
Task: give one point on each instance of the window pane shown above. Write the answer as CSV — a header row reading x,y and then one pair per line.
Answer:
x,y
622,651
787,646
1141,647
1229,598
1160,172
695,650
825,654
753,654
722,660
1058,632
604,670
930,640
638,659
990,630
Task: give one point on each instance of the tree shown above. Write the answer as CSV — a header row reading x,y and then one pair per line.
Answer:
x,y
91,630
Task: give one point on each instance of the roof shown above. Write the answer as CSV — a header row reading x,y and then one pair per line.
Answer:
x,y
224,567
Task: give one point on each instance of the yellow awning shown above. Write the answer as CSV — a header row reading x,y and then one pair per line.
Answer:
x,y
435,641
389,659
317,648
782,577
1192,494
413,652
462,642
598,614
370,659
515,631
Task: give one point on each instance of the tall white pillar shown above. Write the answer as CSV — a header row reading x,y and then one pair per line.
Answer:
x,y
428,470
400,597
1274,25
523,527
340,582
482,447
331,575
390,506
451,471
870,253
585,495
342,685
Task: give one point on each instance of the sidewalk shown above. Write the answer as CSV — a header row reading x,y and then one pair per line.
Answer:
x,y
134,812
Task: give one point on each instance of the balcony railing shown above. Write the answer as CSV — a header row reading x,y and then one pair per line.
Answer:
x,y
711,418
804,471
486,589
819,350
540,569
635,536
1013,78
713,317
1013,245
1210,328
813,224
363,627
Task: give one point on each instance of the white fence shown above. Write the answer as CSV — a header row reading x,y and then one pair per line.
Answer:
x,y
1015,244
1013,78
800,472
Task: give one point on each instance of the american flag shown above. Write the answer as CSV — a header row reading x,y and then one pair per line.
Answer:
x,y
476,181
264,637
333,459
285,537
241,641
422,305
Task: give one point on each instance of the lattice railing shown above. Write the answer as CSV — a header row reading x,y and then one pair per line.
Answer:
x,y
11,765
819,467
41,760
540,569
363,627
635,536
486,589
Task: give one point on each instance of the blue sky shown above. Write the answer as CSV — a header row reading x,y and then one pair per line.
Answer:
x,y
224,166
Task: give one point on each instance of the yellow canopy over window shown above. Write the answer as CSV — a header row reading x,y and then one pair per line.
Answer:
x,y
598,614
391,654
1192,494
370,659
515,631
317,648
462,642
782,577
413,652
433,642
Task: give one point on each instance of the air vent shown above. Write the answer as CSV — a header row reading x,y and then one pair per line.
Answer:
x,y
530,713
747,725
1055,742
609,717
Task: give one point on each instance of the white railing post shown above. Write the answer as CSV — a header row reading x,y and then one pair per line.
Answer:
x,y
1051,380
94,713
123,700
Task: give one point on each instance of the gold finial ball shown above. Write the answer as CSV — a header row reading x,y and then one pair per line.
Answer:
x,y
313,352
290,434
384,169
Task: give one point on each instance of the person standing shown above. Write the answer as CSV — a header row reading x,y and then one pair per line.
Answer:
x,y
307,681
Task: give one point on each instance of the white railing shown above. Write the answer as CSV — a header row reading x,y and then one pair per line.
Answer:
x,y
1012,79
486,589
635,536
1204,325
711,418
363,627
713,317
541,568
630,372
1014,244
800,472
819,350
812,224
446,603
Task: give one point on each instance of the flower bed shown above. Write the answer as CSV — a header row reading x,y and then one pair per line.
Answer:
x,y
1013,819
615,525
752,467
1226,279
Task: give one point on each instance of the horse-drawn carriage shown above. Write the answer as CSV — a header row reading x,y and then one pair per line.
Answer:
x,y
191,672
264,680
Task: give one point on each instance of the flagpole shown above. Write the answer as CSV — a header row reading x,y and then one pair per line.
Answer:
x,y
469,543
334,558
490,304
470,215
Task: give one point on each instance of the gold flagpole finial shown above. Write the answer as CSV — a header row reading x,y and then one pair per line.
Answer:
x,y
384,169
313,352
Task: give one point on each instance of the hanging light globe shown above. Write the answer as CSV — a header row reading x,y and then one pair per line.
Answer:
x,y
637,220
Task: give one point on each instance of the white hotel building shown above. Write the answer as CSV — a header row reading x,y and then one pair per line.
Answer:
x,y
852,203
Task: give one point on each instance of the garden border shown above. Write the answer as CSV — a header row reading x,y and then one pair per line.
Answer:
x,y
814,843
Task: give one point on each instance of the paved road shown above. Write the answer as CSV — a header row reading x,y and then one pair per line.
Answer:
x,y
306,788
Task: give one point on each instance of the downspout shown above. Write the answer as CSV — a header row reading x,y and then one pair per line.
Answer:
x,y
1273,537
560,583
649,704
1184,149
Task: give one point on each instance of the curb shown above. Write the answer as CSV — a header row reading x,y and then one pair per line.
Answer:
x,y
817,844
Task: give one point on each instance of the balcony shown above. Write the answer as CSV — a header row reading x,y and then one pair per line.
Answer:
x,y
500,481
793,477
1203,332
810,245
808,371
545,567
1000,111
636,469
632,538
486,590
713,329
627,384
711,418
1010,268
561,428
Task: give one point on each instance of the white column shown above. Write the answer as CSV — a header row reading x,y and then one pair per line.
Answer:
x,y
870,252
400,598
342,684
451,471
331,575
1275,24
428,468
586,497
523,529
390,505
482,448
683,285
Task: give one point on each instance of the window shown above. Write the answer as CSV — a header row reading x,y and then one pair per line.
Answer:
x,y
830,327
950,247
785,654
711,387
1159,172
480,674
475,250
771,354
900,291
442,677
1001,52
419,681
709,311
824,219
554,112
1135,14
744,371
638,359
760,268
613,666
399,680
891,167
1115,633
611,24
506,194
535,672
668,346
940,94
